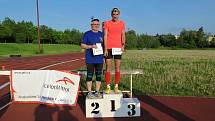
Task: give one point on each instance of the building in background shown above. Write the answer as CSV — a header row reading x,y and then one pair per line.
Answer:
x,y
177,36
211,37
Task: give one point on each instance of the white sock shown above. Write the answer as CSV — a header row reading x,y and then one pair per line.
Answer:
x,y
116,85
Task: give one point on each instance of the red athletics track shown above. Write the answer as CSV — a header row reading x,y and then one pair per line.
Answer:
x,y
153,108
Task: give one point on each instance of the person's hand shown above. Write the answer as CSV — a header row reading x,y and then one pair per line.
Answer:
x,y
122,49
94,46
106,53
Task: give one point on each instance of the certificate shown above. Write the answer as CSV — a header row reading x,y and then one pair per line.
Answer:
x,y
98,50
116,51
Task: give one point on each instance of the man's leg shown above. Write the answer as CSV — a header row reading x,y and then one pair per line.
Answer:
x,y
108,70
98,69
117,73
108,61
90,71
89,86
108,75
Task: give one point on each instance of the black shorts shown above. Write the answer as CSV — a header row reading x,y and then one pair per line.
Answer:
x,y
110,55
97,68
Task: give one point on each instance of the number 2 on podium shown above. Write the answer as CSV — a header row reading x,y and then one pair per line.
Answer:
x,y
96,105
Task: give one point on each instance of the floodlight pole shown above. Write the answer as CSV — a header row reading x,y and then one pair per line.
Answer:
x,y
38,25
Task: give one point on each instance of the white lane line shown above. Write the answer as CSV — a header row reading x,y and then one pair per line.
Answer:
x,y
4,85
5,105
60,63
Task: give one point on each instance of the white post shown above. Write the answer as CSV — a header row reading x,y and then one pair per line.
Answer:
x,y
131,85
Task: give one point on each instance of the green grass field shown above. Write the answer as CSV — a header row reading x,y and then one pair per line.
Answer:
x,y
170,72
31,49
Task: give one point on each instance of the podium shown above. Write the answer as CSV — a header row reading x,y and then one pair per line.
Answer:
x,y
112,105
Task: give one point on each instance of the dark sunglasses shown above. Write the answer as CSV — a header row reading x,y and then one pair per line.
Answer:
x,y
115,14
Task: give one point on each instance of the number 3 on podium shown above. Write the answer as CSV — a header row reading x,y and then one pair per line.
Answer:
x,y
132,111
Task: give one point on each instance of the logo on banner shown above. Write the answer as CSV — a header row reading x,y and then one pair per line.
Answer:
x,y
65,80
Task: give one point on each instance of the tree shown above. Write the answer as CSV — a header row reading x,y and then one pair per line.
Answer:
x,y
168,40
187,38
20,32
152,42
146,41
57,36
67,37
140,42
76,36
45,34
8,28
131,39
3,34
30,28
201,40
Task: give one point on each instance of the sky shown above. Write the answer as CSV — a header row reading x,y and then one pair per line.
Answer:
x,y
143,16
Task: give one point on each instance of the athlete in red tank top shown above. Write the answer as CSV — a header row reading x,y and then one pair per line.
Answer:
x,y
114,39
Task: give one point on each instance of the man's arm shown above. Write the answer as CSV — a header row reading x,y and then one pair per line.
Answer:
x,y
123,40
105,43
84,46
105,39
